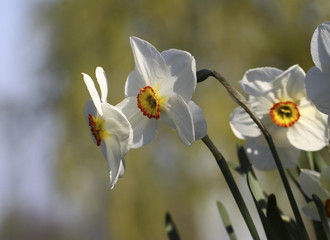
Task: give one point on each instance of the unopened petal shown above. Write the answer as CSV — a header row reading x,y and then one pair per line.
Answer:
x,y
144,129
177,110
102,80
182,70
259,80
310,184
320,47
111,150
93,92
148,61
317,87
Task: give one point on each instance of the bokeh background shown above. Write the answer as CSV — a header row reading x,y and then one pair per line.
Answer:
x,y
53,179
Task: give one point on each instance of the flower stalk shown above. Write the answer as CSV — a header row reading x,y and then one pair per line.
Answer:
x,y
232,186
240,99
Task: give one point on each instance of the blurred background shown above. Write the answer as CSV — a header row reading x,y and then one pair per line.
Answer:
x,y
54,180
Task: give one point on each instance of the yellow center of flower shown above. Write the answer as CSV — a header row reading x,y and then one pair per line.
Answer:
x,y
285,114
327,207
97,128
149,102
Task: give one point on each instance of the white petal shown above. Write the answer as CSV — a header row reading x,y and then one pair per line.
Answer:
x,y
117,124
290,84
200,126
182,68
102,80
93,92
310,184
122,168
144,129
134,82
148,61
310,132
317,87
310,210
259,80
320,47
242,123
90,109
262,158
111,150
177,109
325,179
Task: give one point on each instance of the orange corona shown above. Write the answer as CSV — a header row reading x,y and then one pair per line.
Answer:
x,y
285,114
148,102
95,129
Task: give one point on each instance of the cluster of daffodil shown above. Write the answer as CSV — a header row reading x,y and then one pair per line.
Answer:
x,y
292,105
159,88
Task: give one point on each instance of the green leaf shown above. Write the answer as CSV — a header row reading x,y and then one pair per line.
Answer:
x,y
323,215
170,228
275,219
226,220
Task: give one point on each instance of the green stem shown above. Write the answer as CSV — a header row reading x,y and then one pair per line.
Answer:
x,y
232,186
240,99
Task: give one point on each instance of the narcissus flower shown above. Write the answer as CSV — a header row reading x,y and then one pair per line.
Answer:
x,y
312,182
109,127
279,99
318,77
160,88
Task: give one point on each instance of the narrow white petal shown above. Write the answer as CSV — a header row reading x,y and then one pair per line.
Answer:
x,y
310,210
310,132
262,158
320,47
111,150
200,126
148,61
182,67
117,124
144,129
289,85
177,109
310,184
325,179
93,92
259,80
317,87
102,80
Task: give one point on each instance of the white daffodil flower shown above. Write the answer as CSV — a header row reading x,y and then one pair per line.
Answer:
x,y
312,182
161,87
318,77
109,127
279,99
